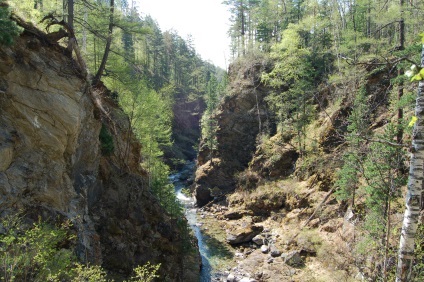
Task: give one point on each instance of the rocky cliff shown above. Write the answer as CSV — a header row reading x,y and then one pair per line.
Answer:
x,y
241,117
52,163
281,218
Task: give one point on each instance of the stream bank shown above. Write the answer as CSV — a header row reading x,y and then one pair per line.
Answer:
x,y
245,245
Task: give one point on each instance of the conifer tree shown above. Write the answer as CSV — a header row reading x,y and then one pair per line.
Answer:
x,y
348,176
292,73
8,28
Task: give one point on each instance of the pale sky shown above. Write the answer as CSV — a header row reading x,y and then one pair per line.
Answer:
x,y
206,20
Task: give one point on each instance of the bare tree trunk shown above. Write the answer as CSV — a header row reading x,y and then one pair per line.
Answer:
x,y
71,14
84,32
102,66
415,187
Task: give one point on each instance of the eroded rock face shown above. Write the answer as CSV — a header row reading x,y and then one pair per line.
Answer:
x,y
279,162
48,134
51,165
241,116
185,128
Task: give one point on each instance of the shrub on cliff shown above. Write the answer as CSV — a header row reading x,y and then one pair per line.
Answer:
x,y
106,141
35,253
43,252
8,28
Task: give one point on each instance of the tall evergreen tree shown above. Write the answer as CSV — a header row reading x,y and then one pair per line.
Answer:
x,y
8,28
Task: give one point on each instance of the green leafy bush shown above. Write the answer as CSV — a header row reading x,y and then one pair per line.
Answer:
x,y
146,273
106,141
34,254
92,273
8,28
43,252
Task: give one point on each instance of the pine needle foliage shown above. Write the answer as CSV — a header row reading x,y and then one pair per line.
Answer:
x,y
8,29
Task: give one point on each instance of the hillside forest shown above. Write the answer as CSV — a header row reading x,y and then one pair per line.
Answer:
x,y
336,92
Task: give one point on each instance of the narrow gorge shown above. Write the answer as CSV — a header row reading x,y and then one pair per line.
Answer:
x,y
125,155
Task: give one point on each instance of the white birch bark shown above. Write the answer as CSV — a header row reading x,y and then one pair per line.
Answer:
x,y
415,186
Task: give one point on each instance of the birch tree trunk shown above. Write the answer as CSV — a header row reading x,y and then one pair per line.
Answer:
x,y
415,186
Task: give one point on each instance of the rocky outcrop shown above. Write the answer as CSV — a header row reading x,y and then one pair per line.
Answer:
x,y
274,159
243,234
240,117
51,164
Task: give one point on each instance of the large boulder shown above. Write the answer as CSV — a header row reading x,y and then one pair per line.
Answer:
x,y
293,258
243,234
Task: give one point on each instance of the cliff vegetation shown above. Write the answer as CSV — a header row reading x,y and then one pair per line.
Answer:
x,y
309,165
90,113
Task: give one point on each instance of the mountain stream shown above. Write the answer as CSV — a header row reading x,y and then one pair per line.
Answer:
x,y
180,180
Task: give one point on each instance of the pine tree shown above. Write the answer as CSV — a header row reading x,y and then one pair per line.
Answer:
x,y
348,177
8,28
292,73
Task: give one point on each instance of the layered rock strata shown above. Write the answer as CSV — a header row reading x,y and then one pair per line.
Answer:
x,y
52,165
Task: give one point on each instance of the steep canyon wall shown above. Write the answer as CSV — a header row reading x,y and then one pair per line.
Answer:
x,y
51,163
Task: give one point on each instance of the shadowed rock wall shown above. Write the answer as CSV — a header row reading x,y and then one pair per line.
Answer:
x,y
241,117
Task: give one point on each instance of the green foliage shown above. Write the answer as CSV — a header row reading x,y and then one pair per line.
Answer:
x,y
348,177
419,76
150,118
418,265
215,90
38,253
88,273
106,141
380,166
146,272
382,171
293,74
34,254
8,28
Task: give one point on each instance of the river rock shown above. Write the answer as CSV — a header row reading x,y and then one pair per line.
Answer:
x,y
274,251
332,225
243,234
247,279
292,258
233,214
231,278
258,240
264,249
314,223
